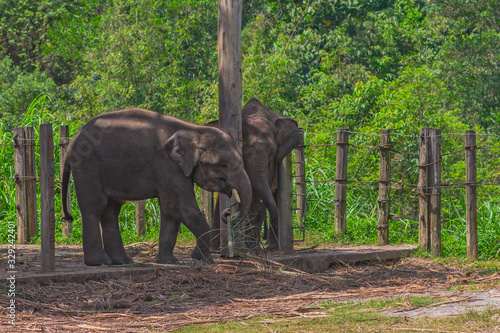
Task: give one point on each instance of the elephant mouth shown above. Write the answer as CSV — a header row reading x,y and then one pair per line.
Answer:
x,y
228,191
232,191
224,187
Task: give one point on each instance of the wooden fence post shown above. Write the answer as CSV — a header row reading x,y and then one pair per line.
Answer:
x,y
25,169
285,205
140,217
207,204
230,90
67,226
471,194
21,195
384,187
47,198
341,181
423,190
300,182
207,207
214,222
435,191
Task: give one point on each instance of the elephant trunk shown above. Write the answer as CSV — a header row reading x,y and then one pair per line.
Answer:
x,y
242,185
259,179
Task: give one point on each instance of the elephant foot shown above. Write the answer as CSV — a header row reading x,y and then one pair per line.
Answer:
x,y
197,255
97,260
160,259
122,260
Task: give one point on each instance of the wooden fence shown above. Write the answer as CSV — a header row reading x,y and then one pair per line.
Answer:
x,y
26,198
429,190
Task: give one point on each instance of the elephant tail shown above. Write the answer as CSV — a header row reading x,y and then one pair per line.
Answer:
x,y
64,190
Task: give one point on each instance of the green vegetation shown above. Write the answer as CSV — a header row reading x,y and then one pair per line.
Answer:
x,y
362,65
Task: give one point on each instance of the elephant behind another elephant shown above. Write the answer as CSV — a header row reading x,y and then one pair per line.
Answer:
x,y
267,139
138,154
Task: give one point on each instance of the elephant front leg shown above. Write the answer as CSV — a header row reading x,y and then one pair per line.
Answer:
x,y
257,217
184,208
273,243
194,220
215,236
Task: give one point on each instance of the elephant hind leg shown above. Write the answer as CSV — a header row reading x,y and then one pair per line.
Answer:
x,y
92,202
111,237
93,251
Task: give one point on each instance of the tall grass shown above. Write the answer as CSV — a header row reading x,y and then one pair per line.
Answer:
x,y
33,117
7,193
361,213
362,220
454,227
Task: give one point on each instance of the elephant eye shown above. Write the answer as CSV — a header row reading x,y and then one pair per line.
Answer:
x,y
225,165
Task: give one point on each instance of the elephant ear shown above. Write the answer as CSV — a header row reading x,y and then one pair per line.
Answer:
x,y
182,147
288,137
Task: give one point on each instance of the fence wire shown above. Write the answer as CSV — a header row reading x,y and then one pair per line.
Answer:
x,y
32,142
396,185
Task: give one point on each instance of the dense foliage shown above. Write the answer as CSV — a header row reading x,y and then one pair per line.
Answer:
x,y
362,65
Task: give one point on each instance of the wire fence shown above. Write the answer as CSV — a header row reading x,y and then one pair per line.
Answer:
x,y
23,142
362,163
32,142
448,169
399,155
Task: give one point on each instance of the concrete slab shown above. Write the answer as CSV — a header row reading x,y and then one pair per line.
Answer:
x,y
78,275
320,260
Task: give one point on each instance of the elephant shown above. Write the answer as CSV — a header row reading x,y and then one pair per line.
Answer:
x,y
267,139
137,154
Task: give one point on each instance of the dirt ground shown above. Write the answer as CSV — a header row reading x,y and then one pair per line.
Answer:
x,y
168,298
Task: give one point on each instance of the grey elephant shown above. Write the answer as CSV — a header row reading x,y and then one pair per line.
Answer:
x,y
267,139
138,154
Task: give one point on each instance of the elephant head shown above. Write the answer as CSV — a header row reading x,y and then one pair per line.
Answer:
x,y
267,139
212,159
